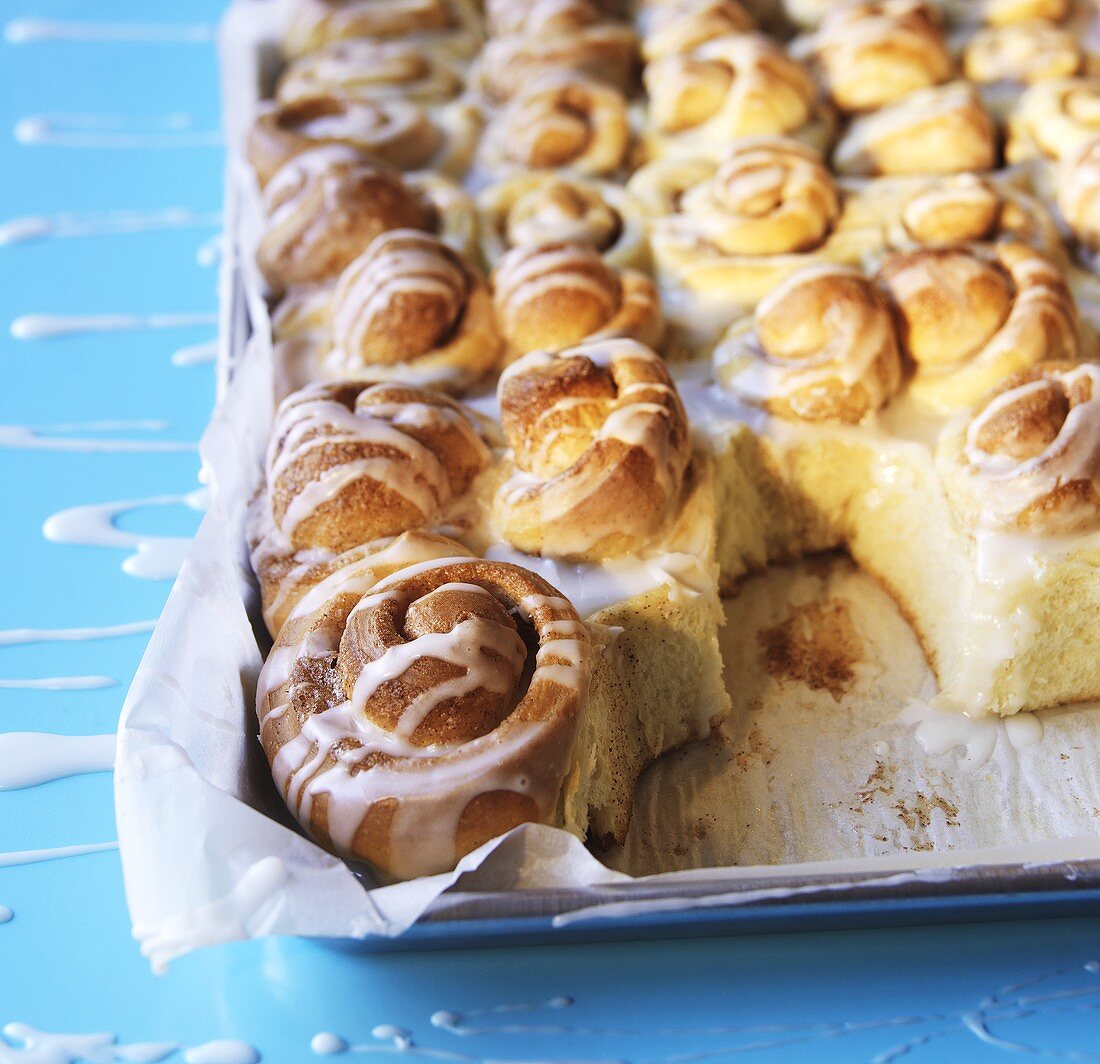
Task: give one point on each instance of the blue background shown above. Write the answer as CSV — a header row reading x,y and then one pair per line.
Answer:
x,y
67,961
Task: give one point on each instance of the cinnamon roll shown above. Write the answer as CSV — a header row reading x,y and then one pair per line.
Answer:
x,y
1022,53
1027,457
369,70
970,317
411,308
392,130
1006,12
350,462
541,17
1078,191
1054,118
325,206
966,208
734,86
722,237
412,721
820,347
942,130
605,51
450,27
560,122
875,52
555,295
600,443
542,208
670,27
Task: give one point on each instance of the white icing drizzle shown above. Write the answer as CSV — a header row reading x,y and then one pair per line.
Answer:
x,y
222,1051
35,30
28,759
327,1044
24,1044
941,731
102,223
155,557
56,853
57,438
60,683
115,131
194,354
236,915
6,915
20,636
48,326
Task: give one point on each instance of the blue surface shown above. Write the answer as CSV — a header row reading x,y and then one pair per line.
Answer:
x,y
67,962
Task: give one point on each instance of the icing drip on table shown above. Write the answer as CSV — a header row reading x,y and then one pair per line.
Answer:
x,y
102,223
30,758
48,326
222,1051
6,915
194,354
59,683
54,438
56,853
34,30
975,738
114,131
156,557
210,251
22,636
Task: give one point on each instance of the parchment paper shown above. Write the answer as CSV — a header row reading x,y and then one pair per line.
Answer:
x,y
816,771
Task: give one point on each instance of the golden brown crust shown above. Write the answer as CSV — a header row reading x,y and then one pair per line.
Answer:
x,y
821,347
410,721
941,130
971,316
324,208
553,296
600,442
411,307
875,52
1054,118
1023,52
1027,457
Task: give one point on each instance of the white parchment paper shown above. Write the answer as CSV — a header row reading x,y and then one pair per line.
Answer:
x,y
815,774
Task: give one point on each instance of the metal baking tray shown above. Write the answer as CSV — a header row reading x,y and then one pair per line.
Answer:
x,y
798,902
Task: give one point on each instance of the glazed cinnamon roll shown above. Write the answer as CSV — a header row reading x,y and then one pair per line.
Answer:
x,y
600,443
734,86
561,122
350,462
393,130
820,347
875,52
723,237
669,27
451,27
1022,53
541,17
1078,191
970,317
325,206
413,720
369,70
942,130
966,208
542,208
555,295
1027,457
1054,118
605,51
412,308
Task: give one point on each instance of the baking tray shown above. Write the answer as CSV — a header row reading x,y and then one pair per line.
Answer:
x,y
802,900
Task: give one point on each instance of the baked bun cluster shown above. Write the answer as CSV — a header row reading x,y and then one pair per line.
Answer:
x,y
583,309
